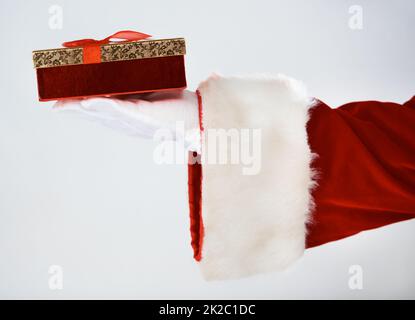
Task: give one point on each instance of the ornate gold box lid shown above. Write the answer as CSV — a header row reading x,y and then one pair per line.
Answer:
x,y
111,52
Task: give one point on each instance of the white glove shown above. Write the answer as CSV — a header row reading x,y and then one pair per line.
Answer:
x,y
143,115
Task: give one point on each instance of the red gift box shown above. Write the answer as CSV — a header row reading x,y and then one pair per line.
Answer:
x,y
89,67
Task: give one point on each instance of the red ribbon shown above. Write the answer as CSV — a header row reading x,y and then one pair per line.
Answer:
x,y
91,47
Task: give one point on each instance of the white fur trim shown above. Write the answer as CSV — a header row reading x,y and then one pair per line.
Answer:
x,y
256,223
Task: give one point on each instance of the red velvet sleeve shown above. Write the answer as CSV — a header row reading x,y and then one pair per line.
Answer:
x,y
365,165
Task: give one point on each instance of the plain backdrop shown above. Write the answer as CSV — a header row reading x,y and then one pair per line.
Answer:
x,y
92,201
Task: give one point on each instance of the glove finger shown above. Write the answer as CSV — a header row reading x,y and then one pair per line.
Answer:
x,y
111,113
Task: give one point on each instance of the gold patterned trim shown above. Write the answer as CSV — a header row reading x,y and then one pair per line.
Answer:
x,y
57,57
111,52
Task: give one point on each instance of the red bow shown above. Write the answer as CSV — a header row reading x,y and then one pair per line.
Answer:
x,y
91,47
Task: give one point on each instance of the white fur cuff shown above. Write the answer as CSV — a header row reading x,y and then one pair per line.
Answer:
x,y
255,223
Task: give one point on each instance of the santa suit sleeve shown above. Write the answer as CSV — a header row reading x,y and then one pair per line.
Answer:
x,y
325,174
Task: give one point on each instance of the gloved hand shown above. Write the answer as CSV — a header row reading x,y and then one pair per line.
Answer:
x,y
143,115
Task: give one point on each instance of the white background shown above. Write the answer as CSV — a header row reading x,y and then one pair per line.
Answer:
x,y
92,200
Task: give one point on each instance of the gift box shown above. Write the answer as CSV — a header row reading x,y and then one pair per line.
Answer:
x,y
87,67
